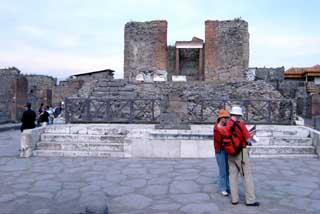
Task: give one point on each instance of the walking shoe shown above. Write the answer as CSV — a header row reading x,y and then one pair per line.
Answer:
x,y
234,203
255,204
224,193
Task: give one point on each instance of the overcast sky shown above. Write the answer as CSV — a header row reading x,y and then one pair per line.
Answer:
x,y
66,37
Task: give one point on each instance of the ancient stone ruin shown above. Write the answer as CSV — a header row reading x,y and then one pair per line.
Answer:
x,y
194,78
224,55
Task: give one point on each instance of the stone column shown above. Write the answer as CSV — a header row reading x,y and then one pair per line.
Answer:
x,y
201,64
177,62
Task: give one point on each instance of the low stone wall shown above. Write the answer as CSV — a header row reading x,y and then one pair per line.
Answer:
x,y
315,135
29,139
150,143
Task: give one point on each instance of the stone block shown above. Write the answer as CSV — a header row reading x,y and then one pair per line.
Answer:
x,y
189,149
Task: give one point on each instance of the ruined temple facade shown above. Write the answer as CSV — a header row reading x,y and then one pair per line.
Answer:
x,y
223,55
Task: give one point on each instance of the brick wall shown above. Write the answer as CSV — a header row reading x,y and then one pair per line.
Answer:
x,y
226,50
7,93
40,89
65,89
145,47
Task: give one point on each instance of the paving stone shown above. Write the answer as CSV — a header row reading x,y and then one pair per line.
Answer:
x,y
171,206
46,195
116,190
187,177
43,211
67,195
116,177
156,190
15,165
190,198
200,208
315,194
73,185
7,197
184,187
132,201
90,188
49,186
159,181
206,180
136,183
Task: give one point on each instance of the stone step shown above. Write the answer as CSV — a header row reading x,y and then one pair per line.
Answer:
x,y
180,136
284,141
114,89
281,150
87,129
69,146
295,156
111,83
47,137
124,94
275,131
55,153
280,140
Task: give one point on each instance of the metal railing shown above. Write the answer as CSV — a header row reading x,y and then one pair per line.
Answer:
x,y
195,111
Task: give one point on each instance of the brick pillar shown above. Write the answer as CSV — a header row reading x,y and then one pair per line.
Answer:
x,y
177,62
210,59
200,64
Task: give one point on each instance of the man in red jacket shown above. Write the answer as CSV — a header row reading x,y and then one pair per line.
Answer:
x,y
240,162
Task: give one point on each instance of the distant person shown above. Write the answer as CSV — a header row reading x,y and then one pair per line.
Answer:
x,y
44,117
221,156
28,118
50,110
41,108
57,111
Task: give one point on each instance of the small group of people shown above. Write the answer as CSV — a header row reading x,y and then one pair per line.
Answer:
x,y
46,115
230,125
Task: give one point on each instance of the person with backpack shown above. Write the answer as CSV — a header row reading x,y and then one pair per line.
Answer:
x,y
221,155
239,160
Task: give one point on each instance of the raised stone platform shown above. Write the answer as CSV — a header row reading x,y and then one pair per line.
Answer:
x,y
124,140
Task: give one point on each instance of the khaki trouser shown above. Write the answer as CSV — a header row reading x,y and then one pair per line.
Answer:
x,y
234,169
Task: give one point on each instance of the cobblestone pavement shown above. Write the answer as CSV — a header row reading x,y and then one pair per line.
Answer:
x,y
70,185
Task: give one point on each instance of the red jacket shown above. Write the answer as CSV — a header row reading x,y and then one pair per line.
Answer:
x,y
243,134
218,135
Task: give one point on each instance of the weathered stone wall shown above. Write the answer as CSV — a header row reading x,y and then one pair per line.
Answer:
x,y
194,94
7,93
171,61
269,74
226,50
209,90
65,89
40,89
145,47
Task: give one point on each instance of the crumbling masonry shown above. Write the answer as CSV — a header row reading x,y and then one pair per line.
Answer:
x,y
223,56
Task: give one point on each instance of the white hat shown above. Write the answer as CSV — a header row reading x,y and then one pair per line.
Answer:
x,y
236,110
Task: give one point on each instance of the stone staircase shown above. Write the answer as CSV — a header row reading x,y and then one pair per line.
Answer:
x,y
132,140
283,141
274,141
81,141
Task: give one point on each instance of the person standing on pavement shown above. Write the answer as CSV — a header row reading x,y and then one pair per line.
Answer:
x,y
221,155
240,162
28,118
